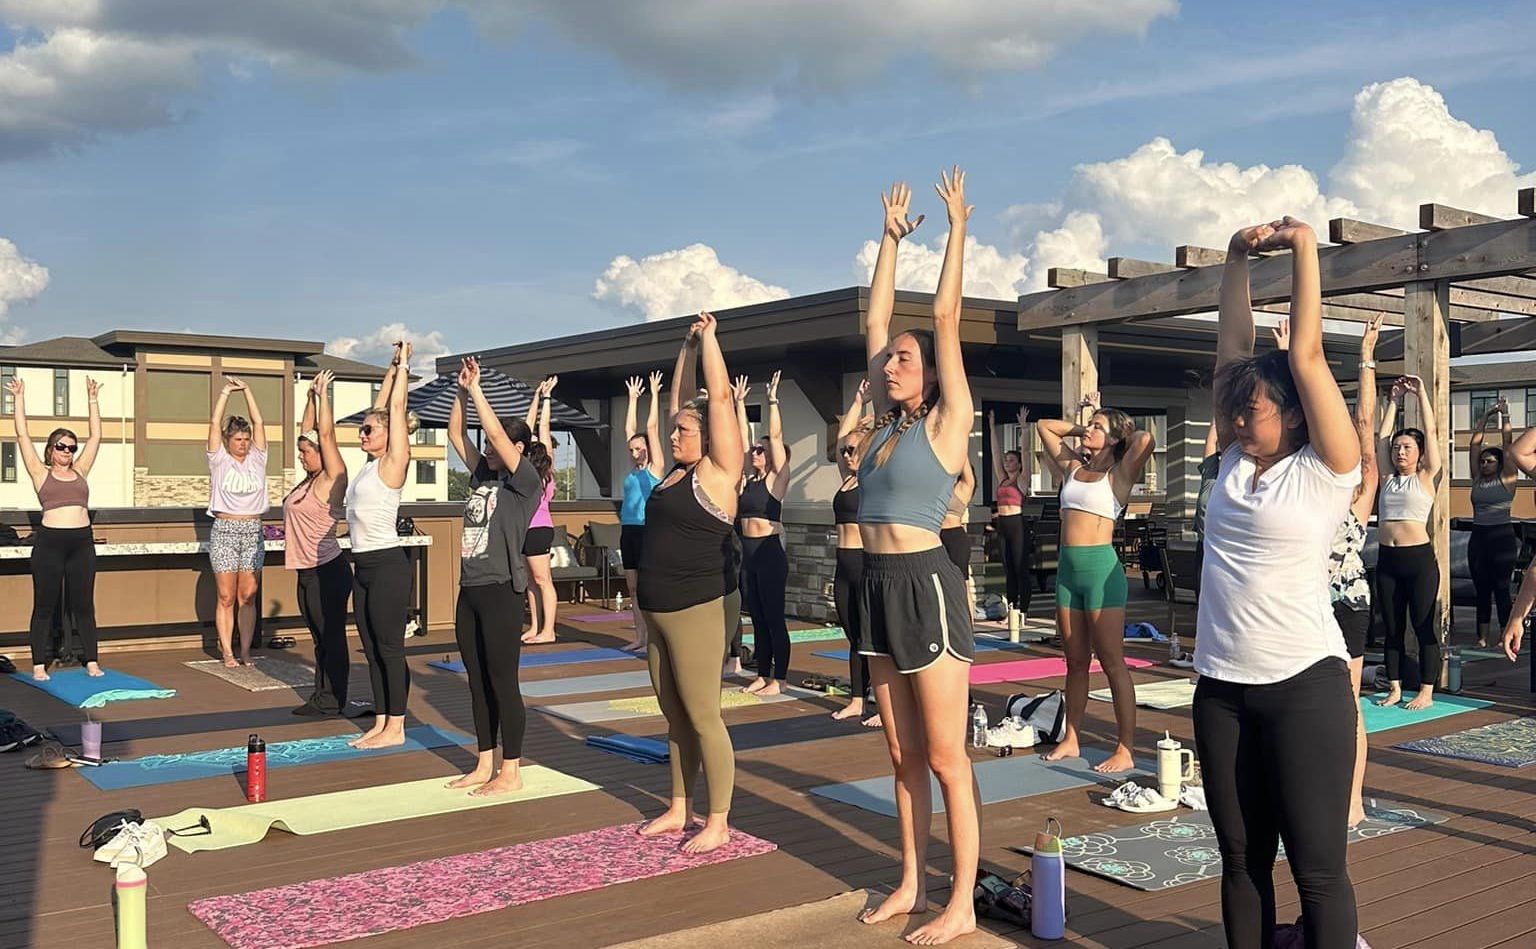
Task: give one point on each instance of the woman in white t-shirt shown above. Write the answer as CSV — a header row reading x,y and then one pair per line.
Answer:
x,y
237,498
1274,714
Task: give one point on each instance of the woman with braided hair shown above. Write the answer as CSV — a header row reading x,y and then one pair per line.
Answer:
x,y
914,624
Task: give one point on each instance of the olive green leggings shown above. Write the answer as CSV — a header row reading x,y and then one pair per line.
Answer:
x,y
687,650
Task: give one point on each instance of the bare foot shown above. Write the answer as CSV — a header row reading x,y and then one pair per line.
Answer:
x,y
503,783
245,659
873,721
1121,760
388,738
958,918
93,669
903,902
39,673
756,685
853,709
1423,700
538,639
374,732
1066,749
1356,813
714,836
477,776
774,687
669,823
1391,698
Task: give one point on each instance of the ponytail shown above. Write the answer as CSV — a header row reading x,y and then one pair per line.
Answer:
x,y
542,462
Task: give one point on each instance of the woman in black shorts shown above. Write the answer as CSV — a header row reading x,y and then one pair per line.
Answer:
x,y
541,529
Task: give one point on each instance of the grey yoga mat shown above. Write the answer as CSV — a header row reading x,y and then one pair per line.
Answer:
x,y
1003,779
647,706
578,685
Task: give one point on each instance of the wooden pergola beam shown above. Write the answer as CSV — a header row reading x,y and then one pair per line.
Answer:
x,y
1124,268
1442,217
1060,277
1343,230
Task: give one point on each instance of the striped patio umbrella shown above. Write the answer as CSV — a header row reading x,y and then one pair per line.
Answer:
x,y
509,398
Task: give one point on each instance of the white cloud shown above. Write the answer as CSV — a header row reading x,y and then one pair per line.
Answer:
x,y
1079,242
1406,149
679,282
989,272
21,279
378,347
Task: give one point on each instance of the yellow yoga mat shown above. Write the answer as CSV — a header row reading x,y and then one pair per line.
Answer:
x,y
342,810
650,705
1169,694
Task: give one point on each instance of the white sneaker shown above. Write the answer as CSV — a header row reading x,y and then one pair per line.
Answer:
x,y
136,845
1012,733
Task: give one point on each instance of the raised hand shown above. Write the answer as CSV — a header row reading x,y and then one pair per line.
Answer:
x,y
549,386
773,386
1283,334
861,394
1284,233
231,384
92,388
405,354
657,378
898,223
1023,416
635,385
15,386
1368,339
705,325
951,189
322,383
740,388
466,376
1090,401
395,359
1502,407
1412,384
1250,239
1398,388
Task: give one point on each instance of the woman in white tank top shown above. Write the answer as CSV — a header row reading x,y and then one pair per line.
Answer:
x,y
382,584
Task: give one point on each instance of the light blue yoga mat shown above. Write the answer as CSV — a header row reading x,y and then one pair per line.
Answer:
x,y
83,690
578,685
1380,718
168,769
1003,779
532,659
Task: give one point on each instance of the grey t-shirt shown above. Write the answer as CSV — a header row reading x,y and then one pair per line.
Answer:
x,y
496,516
1209,469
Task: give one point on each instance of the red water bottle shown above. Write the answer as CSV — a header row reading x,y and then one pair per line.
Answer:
x,y
255,770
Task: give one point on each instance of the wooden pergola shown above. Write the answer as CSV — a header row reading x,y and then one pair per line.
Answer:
x,y
1463,275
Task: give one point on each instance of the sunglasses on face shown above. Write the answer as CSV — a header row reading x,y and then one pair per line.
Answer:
x,y
757,449
65,447
366,430
847,449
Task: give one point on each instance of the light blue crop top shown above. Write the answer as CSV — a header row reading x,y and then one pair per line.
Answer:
x,y
911,488
637,489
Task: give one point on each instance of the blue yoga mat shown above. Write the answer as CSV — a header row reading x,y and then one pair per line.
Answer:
x,y
1380,718
168,769
531,659
83,690
643,750
1002,779
981,646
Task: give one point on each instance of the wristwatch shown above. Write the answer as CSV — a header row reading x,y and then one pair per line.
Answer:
x,y
1367,364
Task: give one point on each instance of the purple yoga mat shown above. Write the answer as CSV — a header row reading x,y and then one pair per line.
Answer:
x,y
322,912
601,618
1020,670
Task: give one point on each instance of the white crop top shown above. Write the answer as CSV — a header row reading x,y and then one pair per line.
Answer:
x,y
1403,498
372,508
1094,497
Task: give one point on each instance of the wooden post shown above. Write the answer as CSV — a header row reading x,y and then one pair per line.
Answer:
x,y
1079,366
1427,355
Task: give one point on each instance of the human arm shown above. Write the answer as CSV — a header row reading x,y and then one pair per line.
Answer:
x,y
397,456
882,287
36,470
632,410
1523,451
1059,456
684,374
1433,462
92,445
216,423
739,391
725,439
1234,322
1365,421
458,425
995,448
849,423
1026,479
532,416
549,397
325,425
1509,472
653,427
258,426
388,385
778,458
490,424
1514,630
955,414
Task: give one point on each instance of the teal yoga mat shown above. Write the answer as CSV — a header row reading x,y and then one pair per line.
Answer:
x,y
83,690
813,635
1383,718
1002,779
189,766
1511,744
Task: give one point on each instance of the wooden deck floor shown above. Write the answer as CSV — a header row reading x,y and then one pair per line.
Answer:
x,y
1468,883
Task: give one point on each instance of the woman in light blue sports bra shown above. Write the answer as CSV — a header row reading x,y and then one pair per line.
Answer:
x,y
650,463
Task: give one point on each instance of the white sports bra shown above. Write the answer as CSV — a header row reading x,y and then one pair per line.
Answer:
x,y
372,507
1403,498
1094,497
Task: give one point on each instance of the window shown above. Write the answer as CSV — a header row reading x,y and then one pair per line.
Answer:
x,y
176,396
1480,402
61,392
426,472
373,393
8,463
1530,407
176,458
426,436
7,401
1155,479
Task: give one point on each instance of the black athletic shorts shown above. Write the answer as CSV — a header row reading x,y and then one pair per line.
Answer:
x,y
631,542
538,541
957,543
1355,624
913,608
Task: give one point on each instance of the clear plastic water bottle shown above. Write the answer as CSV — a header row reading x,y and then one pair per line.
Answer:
x,y
979,726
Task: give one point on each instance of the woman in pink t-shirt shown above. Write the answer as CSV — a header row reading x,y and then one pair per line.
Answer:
x,y
541,528
237,498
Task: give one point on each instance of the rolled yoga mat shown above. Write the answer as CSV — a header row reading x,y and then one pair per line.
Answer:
x,y
580,685
220,762
1380,718
263,674
1171,693
83,690
1021,670
1511,744
531,660
648,706
322,912
1001,779
360,807
747,736
1178,847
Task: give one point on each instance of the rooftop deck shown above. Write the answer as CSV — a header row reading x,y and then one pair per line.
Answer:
x,y
1470,882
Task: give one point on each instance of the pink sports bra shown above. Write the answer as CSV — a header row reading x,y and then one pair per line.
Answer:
x,y
1009,495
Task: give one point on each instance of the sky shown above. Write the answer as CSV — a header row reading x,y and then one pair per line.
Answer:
x,y
481,173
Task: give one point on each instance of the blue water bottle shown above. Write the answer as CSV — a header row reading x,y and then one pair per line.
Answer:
x,y
1048,884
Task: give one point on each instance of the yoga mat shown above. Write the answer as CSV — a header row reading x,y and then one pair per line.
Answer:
x,y
643,750
1172,693
322,912
1180,847
361,807
599,617
1379,718
814,635
83,690
1001,779
981,646
577,685
619,710
833,922
1021,670
169,769
264,674
1511,744
534,659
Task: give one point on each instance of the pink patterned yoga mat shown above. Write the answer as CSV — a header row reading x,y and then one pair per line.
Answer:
x,y
322,912
1020,670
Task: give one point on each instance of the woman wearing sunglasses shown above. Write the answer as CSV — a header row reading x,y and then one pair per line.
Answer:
x,y
381,587
63,551
764,565
849,575
237,498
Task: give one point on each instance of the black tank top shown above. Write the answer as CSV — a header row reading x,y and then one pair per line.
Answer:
x,y
689,555
757,501
845,506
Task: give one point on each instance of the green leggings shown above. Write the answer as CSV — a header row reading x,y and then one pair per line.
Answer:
x,y
687,650
1090,578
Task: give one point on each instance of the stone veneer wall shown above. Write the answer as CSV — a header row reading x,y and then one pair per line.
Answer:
x,y
192,490
812,552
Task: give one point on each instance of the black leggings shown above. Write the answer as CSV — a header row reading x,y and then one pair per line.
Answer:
x,y
764,573
323,595
1491,553
63,562
1407,580
1018,549
1277,760
846,583
381,596
488,623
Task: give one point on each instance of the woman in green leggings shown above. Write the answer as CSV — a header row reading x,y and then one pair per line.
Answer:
x,y
1096,478
687,590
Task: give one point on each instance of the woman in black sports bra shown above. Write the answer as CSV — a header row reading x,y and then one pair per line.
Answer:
x,y
764,566
850,554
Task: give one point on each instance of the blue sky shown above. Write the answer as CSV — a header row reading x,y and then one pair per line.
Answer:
x,y
475,179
